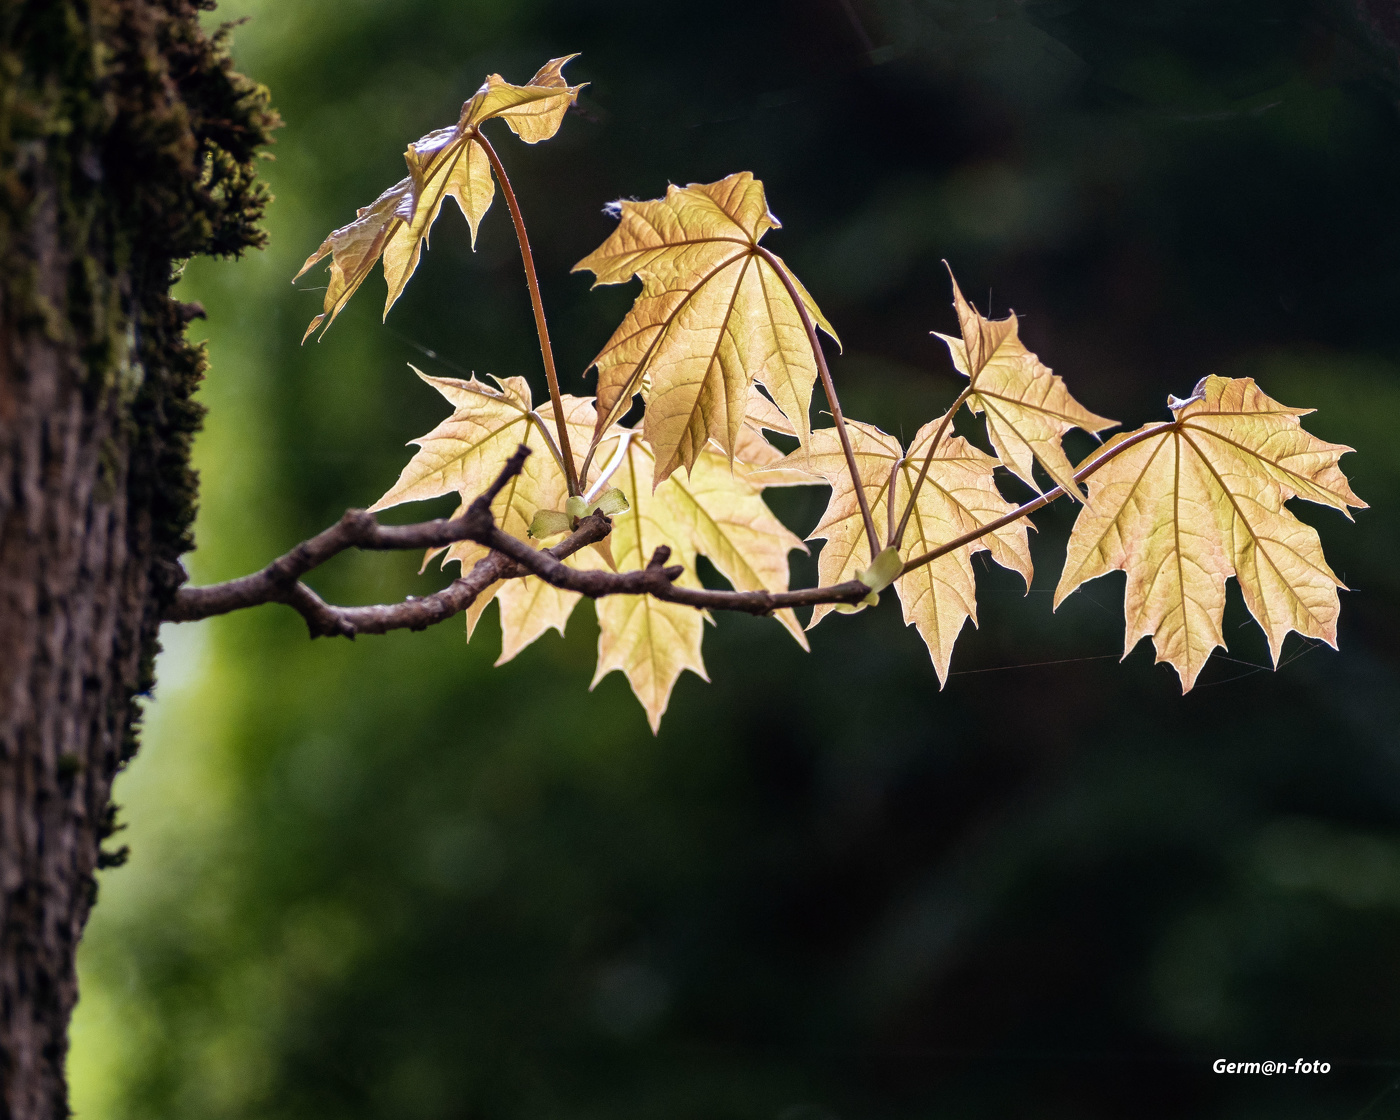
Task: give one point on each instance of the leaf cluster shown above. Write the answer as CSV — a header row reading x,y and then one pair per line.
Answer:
x,y
722,346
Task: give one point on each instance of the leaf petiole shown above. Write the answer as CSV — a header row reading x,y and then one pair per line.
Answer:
x,y
1036,503
538,421
537,305
872,538
619,456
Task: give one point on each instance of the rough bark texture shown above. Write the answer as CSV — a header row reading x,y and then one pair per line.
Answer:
x,y
126,145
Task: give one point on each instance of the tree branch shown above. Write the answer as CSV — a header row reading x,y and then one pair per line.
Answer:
x,y
510,558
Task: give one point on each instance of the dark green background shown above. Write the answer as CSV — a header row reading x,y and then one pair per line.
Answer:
x,y
384,879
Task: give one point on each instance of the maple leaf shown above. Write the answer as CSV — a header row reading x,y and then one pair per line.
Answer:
x,y
447,163
753,453
716,313
529,608
463,455
958,496
1028,408
1191,502
714,511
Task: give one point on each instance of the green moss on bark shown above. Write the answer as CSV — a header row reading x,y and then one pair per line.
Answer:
x,y
124,122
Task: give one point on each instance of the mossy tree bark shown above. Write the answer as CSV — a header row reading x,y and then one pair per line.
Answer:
x,y
127,144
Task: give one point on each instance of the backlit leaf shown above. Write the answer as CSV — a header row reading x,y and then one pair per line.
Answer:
x,y
714,511
1200,499
753,452
445,163
958,496
1028,408
529,606
846,550
713,317
651,642
464,454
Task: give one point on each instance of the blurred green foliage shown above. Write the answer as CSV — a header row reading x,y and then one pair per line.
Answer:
x,y
365,883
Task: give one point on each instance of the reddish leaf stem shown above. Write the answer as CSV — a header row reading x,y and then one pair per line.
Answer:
x,y
1033,505
832,400
537,304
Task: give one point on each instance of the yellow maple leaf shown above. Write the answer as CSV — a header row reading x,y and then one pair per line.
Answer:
x,y
714,511
447,163
847,549
958,496
714,315
529,606
1028,408
1194,501
463,455
651,642
753,453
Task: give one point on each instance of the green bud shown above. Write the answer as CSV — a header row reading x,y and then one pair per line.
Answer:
x,y
549,523
611,502
883,572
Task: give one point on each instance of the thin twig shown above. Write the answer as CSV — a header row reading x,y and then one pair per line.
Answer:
x,y
835,404
510,558
1033,505
279,582
537,304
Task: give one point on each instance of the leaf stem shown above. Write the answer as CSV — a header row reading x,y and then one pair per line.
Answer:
x,y
889,501
871,536
1035,504
897,535
611,466
538,421
541,327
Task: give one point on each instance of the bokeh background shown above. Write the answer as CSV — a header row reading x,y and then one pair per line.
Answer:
x,y
386,880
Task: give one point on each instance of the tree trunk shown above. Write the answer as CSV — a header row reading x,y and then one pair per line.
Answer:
x,y
126,145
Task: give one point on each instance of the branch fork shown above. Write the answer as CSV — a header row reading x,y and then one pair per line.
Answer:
x,y
510,558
